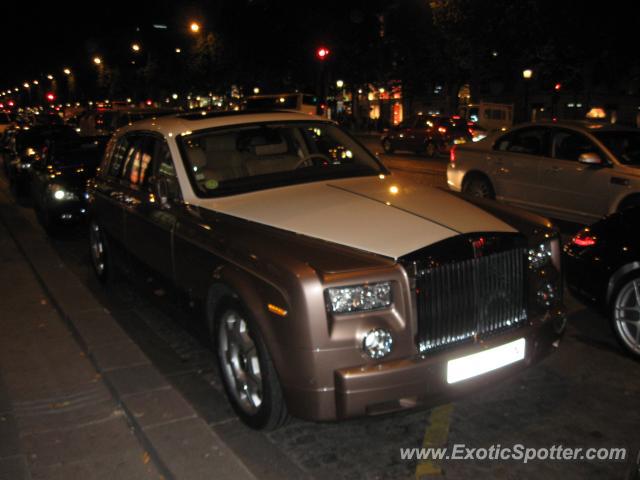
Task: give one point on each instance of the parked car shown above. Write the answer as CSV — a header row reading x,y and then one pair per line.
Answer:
x,y
603,269
6,120
426,134
27,146
59,180
331,289
567,170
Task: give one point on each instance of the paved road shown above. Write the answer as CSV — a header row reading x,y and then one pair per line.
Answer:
x,y
585,395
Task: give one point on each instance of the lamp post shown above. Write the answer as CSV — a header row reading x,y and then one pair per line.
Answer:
x,y
526,74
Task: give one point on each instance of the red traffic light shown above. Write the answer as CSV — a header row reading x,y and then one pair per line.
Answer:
x,y
50,96
322,53
557,86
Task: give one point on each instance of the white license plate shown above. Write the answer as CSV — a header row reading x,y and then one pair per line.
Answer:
x,y
482,362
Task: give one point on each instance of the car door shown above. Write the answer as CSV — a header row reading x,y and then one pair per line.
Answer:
x,y
570,189
109,191
149,222
513,163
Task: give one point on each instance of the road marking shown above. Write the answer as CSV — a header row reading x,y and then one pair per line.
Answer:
x,y
435,436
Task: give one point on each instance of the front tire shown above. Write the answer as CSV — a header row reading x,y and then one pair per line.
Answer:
x,y
625,315
249,377
478,187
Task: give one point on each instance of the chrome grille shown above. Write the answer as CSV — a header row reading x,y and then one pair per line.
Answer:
x,y
471,298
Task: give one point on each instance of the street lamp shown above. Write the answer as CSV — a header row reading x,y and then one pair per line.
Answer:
x,y
50,77
256,90
526,74
135,47
178,50
67,71
339,83
194,27
97,60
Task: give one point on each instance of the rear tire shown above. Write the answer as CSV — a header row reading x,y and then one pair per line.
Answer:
x,y
102,259
249,377
478,187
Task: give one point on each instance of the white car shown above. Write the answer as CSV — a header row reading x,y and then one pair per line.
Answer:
x,y
571,171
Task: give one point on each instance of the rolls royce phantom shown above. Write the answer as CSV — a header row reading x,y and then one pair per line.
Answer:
x,y
331,289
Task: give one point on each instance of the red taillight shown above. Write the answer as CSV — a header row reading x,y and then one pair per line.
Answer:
x,y
452,155
584,239
442,129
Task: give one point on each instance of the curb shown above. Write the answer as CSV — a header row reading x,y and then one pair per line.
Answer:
x,y
179,442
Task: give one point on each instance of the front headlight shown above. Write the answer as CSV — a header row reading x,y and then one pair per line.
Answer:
x,y
59,193
24,165
358,298
545,253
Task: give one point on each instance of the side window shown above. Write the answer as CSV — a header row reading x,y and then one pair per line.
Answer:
x,y
165,169
137,160
528,141
569,145
117,159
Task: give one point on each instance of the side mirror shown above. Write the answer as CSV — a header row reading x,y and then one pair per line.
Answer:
x,y
590,158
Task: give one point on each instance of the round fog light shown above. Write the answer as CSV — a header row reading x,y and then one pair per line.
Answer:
x,y
377,343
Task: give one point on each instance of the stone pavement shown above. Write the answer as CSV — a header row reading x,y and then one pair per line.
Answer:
x,y
79,399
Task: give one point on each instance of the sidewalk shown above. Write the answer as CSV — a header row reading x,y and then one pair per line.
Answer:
x,y
79,399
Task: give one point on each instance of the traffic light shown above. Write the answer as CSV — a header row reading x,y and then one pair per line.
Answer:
x,y
322,53
50,96
557,87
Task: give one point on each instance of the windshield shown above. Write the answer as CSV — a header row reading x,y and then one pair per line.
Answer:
x,y
624,145
255,157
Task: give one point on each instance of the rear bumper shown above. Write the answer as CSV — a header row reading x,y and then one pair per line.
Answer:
x,y
421,381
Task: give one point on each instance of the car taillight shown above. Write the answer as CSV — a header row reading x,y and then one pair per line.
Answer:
x,y
452,155
442,130
584,239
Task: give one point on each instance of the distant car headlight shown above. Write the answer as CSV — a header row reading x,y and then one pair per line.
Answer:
x,y
358,298
59,193
545,253
377,343
24,165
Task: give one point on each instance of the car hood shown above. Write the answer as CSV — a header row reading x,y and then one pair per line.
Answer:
x,y
384,216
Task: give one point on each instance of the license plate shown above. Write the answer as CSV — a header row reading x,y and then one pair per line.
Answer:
x,y
482,362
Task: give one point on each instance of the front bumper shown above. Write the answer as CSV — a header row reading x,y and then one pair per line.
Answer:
x,y
67,211
421,381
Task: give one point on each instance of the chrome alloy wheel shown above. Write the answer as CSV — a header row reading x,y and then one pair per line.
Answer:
x,y
241,365
626,315
97,249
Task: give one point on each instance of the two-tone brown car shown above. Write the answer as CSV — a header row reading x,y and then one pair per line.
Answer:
x,y
331,289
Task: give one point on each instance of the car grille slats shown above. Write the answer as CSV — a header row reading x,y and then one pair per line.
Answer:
x,y
470,299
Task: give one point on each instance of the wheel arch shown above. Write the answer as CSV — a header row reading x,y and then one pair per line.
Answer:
x,y
622,273
626,200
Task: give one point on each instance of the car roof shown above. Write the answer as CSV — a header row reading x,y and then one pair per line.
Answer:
x,y
171,125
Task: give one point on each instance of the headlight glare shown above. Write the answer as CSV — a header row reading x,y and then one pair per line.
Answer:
x,y
59,193
377,343
359,298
